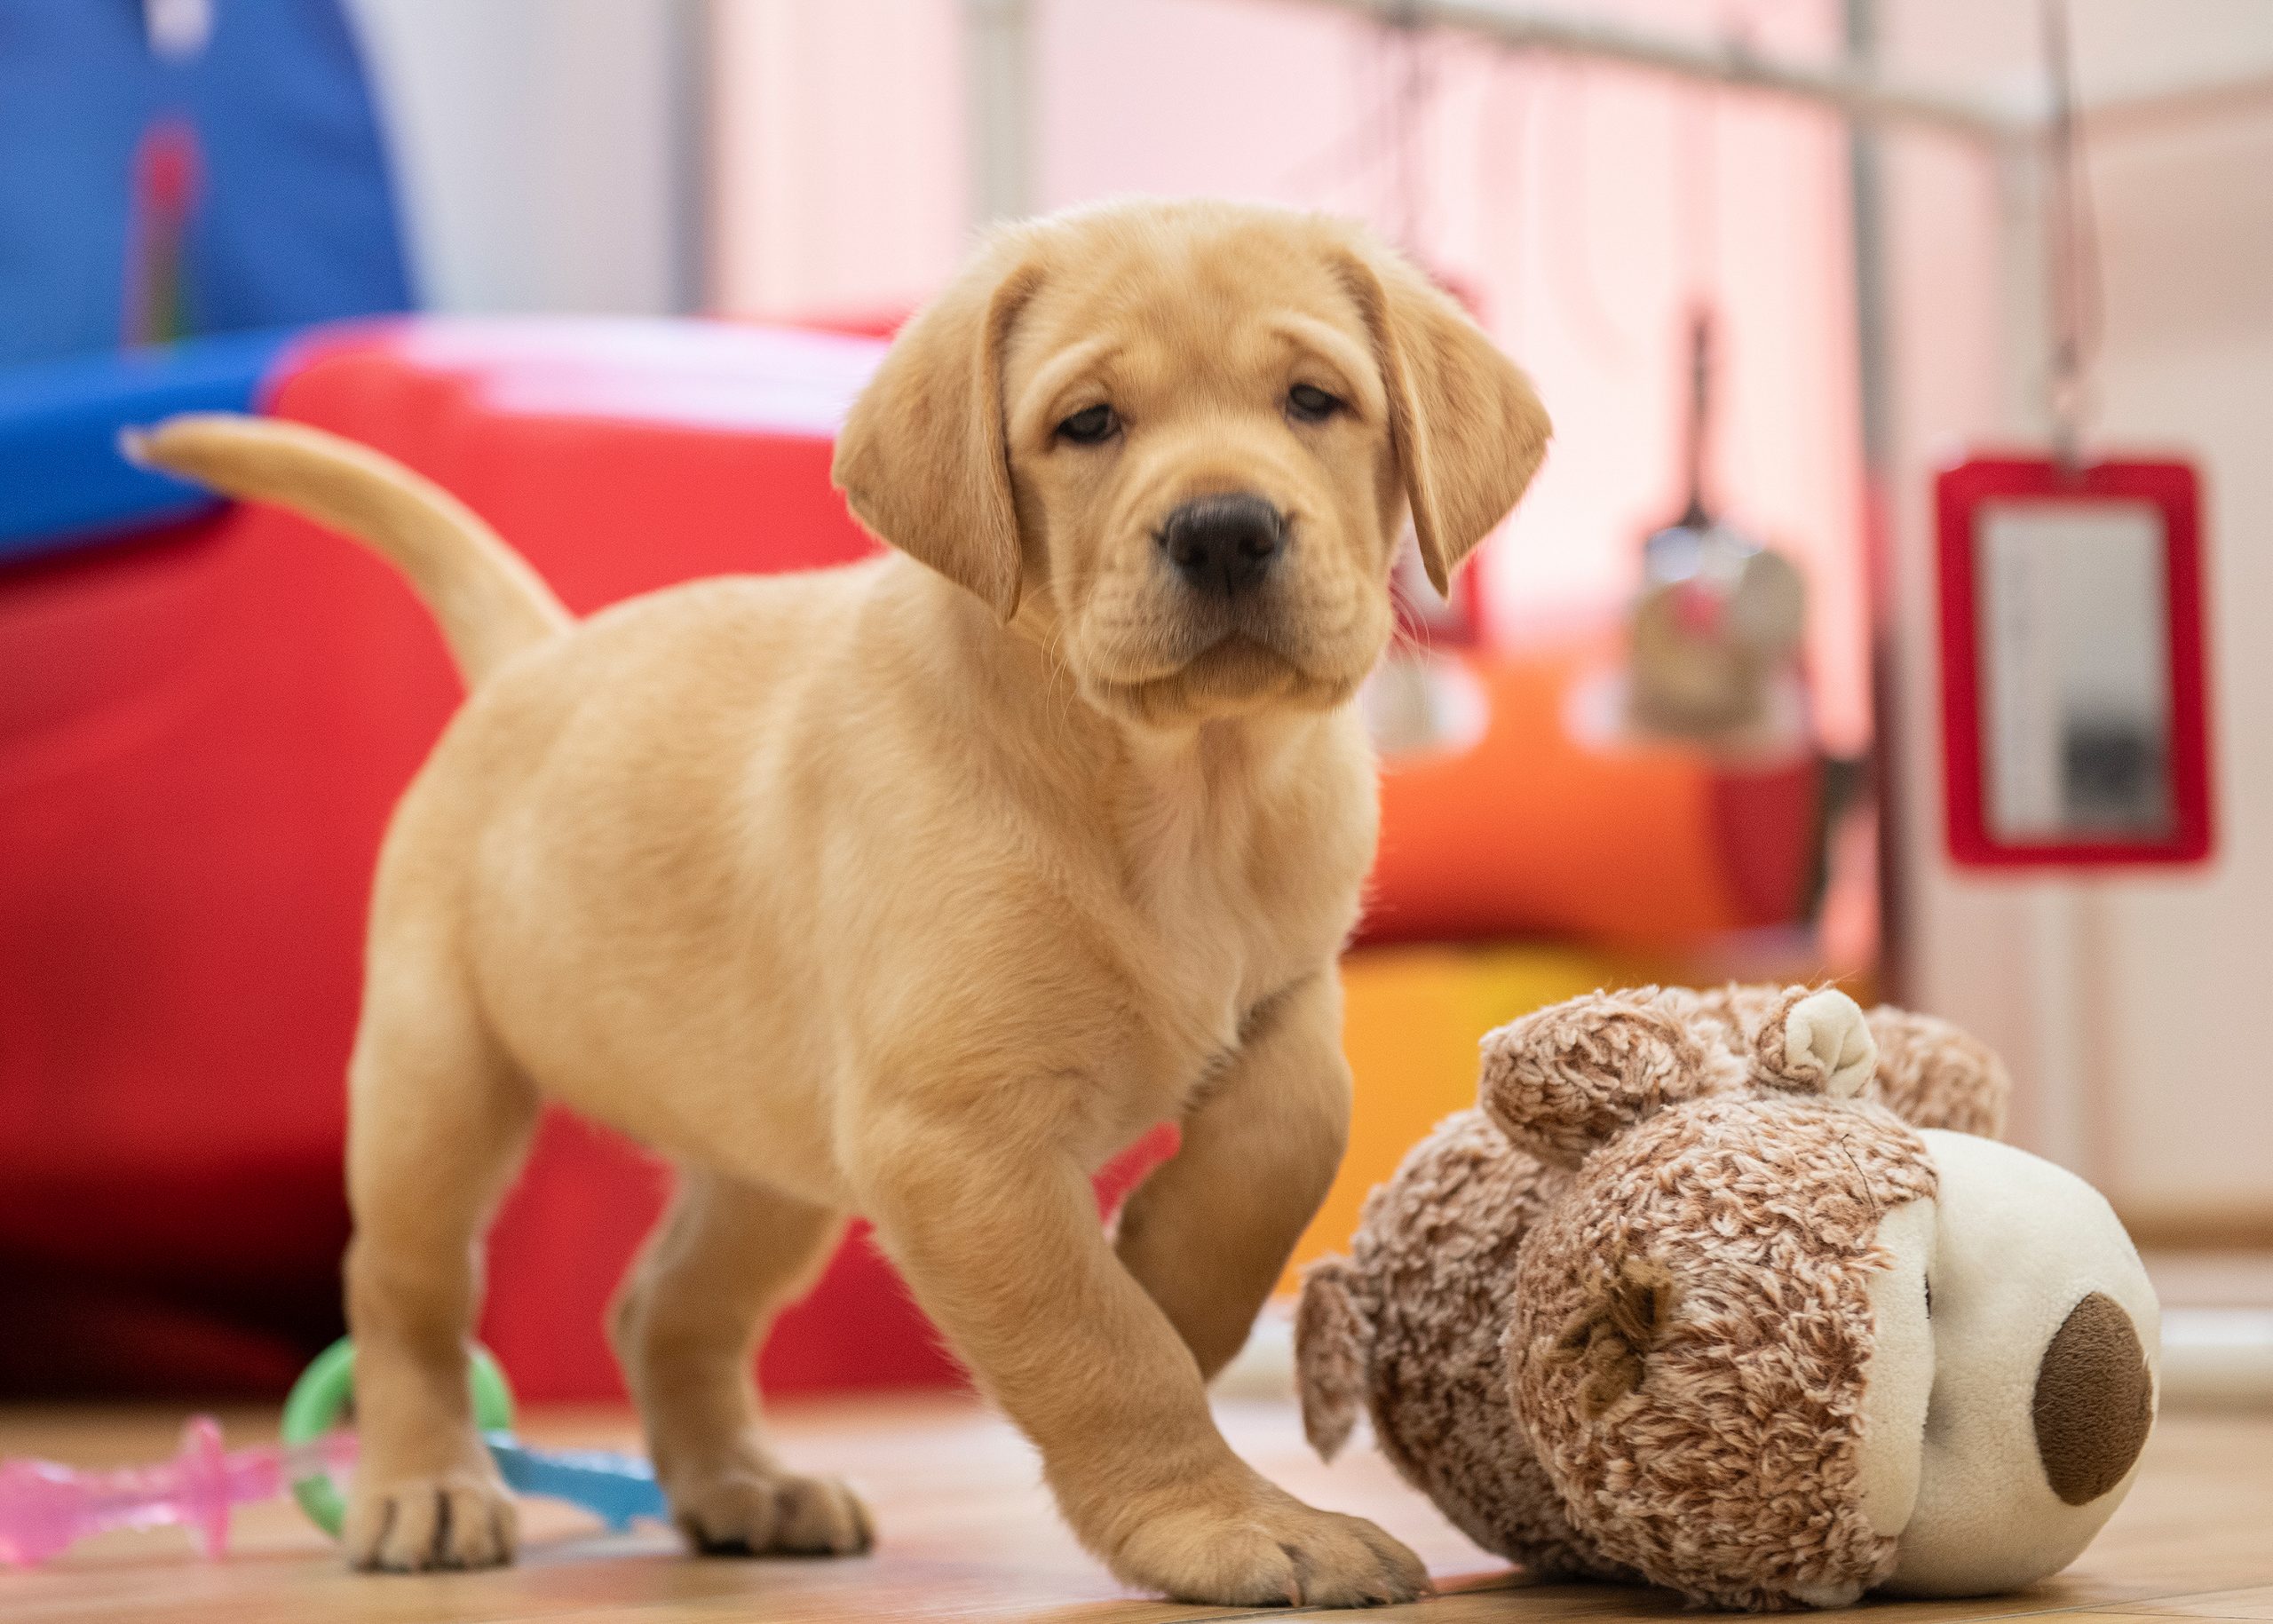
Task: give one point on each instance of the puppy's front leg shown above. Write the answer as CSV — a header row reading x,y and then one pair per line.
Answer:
x,y
1209,1233
998,1236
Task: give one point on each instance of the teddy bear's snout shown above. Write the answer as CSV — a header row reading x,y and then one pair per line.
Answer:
x,y
2094,1400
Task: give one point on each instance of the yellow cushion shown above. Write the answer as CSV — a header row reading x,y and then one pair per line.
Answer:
x,y
1412,1019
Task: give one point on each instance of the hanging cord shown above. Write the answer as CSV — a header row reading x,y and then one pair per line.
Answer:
x,y
1696,166
2071,251
1694,515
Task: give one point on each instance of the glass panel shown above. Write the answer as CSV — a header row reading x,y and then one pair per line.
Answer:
x,y
2075,662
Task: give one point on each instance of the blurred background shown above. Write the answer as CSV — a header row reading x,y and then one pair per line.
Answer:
x,y
610,269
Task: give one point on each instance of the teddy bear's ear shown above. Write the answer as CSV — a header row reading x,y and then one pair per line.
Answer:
x,y
1814,1042
1331,1338
1931,1074
1563,1080
1610,1336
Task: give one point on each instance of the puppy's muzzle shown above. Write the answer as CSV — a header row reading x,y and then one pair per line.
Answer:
x,y
1225,545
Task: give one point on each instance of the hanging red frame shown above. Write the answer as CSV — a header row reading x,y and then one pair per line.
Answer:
x,y
2173,488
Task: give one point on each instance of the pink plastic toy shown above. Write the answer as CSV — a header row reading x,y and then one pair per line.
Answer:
x,y
45,1508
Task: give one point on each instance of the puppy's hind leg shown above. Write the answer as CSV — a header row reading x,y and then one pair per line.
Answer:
x,y
438,1122
685,1324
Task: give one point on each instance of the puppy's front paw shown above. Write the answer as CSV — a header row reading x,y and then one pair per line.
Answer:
x,y
457,1519
1260,1547
745,1510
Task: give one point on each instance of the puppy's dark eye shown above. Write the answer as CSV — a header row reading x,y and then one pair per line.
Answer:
x,y
1308,403
1088,426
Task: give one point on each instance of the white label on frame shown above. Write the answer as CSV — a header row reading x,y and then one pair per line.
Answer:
x,y
2075,664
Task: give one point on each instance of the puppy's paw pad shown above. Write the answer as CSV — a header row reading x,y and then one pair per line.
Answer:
x,y
1280,1553
748,1513
456,1520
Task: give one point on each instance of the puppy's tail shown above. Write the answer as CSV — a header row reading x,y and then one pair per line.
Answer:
x,y
490,602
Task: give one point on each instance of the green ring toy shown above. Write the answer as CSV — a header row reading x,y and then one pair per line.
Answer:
x,y
321,1394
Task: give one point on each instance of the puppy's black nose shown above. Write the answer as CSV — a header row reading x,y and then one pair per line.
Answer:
x,y
1223,545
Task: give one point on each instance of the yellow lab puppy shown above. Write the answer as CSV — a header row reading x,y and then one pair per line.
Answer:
x,y
919,888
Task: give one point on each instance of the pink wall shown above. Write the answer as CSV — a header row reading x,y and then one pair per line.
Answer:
x,y
837,170
1553,192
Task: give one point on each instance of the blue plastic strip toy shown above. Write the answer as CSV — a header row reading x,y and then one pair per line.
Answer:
x,y
616,1488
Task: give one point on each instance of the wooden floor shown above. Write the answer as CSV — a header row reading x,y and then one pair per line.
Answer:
x,y
966,1534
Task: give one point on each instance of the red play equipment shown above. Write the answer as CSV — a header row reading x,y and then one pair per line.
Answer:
x,y
202,733
204,726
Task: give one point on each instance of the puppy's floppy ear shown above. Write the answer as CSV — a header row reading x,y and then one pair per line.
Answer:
x,y
1566,1079
1468,431
923,459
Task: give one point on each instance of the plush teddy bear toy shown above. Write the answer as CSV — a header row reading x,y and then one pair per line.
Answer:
x,y
1732,1293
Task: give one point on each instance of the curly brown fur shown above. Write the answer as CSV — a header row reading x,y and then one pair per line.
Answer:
x,y
1611,1336
1933,1076
1331,1334
1768,1209
1930,1074
1561,1080
1613,1321
1430,1273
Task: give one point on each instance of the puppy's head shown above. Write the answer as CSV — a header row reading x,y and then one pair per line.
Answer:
x,y
1185,436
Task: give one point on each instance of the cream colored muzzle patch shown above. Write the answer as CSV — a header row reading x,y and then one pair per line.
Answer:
x,y
1898,1378
2045,1338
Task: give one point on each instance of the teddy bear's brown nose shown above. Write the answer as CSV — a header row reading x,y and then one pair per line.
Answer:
x,y
2094,1400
